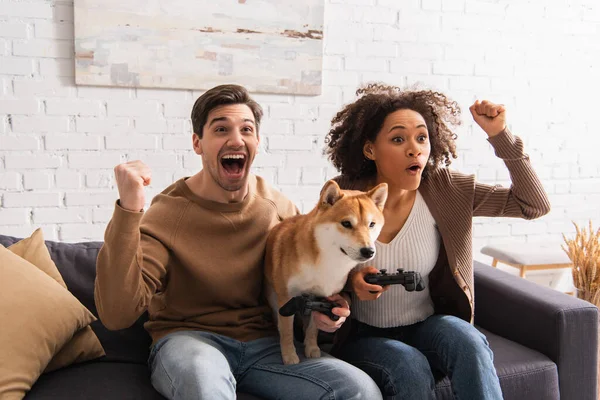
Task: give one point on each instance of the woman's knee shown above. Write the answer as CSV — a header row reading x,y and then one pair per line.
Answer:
x,y
466,341
477,349
398,369
410,376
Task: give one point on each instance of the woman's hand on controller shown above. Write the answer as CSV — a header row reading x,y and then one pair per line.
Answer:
x,y
364,290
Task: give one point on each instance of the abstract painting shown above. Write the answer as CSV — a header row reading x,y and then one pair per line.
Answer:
x,y
269,46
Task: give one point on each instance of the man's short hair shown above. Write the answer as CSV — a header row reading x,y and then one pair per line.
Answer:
x,y
220,96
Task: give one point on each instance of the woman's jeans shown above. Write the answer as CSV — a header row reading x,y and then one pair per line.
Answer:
x,y
403,360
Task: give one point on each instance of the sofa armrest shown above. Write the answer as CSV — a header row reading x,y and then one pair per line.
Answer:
x,y
562,327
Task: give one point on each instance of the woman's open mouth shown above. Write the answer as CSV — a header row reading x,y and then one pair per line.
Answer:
x,y
233,165
414,169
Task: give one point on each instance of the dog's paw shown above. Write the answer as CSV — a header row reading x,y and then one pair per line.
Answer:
x,y
290,358
312,351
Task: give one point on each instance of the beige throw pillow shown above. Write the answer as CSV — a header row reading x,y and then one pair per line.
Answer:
x,y
85,344
38,317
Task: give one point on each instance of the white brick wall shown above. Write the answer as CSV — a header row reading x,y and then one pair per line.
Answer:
x,y
59,142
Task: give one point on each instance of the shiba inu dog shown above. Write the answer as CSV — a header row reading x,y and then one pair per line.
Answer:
x,y
313,254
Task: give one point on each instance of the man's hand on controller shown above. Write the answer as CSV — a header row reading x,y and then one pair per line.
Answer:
x,y
325,323
364,290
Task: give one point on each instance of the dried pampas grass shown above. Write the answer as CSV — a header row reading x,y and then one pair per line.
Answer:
x,y
584,252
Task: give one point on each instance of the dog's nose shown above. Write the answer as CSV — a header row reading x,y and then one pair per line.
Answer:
x,y
367,252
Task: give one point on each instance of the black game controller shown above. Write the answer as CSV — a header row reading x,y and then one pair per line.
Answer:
x,y
307,303
409,279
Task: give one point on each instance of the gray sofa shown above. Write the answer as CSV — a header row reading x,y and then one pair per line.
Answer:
x,y
544,342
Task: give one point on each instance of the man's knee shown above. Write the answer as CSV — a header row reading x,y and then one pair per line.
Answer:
x,y
186,367
359,385
345,381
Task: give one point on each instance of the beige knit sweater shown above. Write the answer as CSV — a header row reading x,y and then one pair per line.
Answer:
x,y
191,263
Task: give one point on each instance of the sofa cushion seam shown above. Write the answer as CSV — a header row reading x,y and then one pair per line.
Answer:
x,y
530,372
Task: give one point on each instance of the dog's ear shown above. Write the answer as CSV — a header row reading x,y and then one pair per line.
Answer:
x,y
379,195
330,193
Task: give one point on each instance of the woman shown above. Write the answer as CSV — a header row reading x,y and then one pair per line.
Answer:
x,y
404,138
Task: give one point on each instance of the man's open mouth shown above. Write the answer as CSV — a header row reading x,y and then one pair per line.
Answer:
x,y
233,164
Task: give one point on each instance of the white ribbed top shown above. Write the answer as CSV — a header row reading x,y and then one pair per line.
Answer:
x,y
415,248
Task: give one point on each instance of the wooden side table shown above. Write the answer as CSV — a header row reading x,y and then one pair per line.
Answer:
x,y
528,256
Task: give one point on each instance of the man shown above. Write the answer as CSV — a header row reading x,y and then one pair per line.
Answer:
x,y
194,260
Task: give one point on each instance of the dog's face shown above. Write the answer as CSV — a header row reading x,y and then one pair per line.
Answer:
x,y
350,221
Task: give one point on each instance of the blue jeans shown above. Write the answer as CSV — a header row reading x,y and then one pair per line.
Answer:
x,y
201,365
403,360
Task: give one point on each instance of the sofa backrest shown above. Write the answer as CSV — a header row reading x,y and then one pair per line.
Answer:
x,y
77,265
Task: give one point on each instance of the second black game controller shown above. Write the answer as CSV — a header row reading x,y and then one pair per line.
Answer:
x,y
307,303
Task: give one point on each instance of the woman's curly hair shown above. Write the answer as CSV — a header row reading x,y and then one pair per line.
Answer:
x,y
362,120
